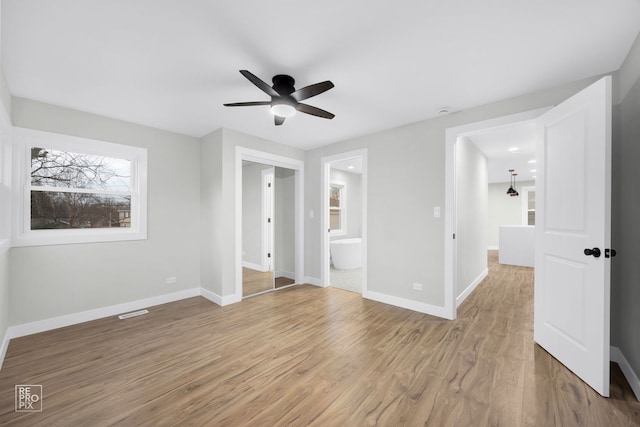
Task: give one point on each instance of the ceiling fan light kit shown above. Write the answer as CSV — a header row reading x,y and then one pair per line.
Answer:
x,y
285,99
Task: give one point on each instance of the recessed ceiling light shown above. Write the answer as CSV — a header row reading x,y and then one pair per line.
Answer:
x,y
532,161
533,170
512,149
350,167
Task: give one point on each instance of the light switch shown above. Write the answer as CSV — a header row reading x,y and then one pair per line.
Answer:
x,y
436,212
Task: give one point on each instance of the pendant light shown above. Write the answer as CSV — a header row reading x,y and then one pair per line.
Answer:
x,y
512,184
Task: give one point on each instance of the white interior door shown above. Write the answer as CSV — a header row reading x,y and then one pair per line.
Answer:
x,y
573,206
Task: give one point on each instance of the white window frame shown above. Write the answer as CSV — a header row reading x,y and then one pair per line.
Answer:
x,y
342,231
24,139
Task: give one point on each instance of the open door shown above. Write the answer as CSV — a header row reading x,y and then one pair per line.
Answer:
x,y
573,227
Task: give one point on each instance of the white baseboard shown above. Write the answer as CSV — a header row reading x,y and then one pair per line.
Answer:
x,y
220,300
463,296
632,378
99,313
253,266
493,248
4,346
314,281
287,274
420,307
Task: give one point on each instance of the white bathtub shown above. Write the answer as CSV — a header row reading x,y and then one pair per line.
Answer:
x,y
346,253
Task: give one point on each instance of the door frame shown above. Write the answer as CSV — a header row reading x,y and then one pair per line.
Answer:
x,y
325,181
243,153
268,176
450,246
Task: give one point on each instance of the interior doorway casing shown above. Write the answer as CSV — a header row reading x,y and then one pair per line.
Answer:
x,y
324,221
450,244
243,153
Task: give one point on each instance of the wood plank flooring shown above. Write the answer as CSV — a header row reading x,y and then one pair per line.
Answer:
x,y
310,356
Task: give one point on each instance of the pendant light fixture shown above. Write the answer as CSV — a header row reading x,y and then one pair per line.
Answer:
x,y
512,184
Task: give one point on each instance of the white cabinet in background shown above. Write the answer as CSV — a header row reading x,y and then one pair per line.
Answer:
x,y
516,245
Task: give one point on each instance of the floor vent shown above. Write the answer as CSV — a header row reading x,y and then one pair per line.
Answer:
x,y
133,314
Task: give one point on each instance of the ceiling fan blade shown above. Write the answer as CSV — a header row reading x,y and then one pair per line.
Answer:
x,y
261,85
247,104
278,120
314,111
312,90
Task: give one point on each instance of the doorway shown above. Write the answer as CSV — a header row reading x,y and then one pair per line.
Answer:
x,y
453,296
270,241
572,284
344,219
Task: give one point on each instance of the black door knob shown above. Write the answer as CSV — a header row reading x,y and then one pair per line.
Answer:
x,y
595,252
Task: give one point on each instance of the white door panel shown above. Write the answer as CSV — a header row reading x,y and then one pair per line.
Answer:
x,y
573,214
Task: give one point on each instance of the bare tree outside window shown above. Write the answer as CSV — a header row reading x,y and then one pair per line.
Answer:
x,y
75,190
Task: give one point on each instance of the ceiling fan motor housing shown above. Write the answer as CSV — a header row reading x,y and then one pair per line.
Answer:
x,y
283,84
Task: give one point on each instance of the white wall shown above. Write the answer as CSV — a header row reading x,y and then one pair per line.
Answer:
x,y
503,209
211,212
284,223
5,224
252,212
51,281
406,173
625,269
353,182
471,213
218,203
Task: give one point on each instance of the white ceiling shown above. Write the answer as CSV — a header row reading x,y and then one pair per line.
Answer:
x,y
508,147
348,165
172,64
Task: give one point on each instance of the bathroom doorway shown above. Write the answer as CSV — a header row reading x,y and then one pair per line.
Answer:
x,y
344,194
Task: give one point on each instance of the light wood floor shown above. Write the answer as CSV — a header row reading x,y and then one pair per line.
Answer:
x,y
254,281
310,356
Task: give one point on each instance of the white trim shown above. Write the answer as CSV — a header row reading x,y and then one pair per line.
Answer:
x,y
315,282
493,248
4,346
219,300
243,153
99,313
463,296
288,274
451,135
254,266
22,235
409,304
267,210
324,218
630,375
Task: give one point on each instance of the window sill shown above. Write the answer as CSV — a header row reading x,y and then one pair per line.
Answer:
x,y
59,237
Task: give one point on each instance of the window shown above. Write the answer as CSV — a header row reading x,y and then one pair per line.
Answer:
x,y
79,190
337,209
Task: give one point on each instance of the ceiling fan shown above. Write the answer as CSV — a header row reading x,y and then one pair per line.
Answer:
x,y
285,99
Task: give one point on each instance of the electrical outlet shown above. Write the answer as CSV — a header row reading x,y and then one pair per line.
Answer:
x,y
417,286
171,280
